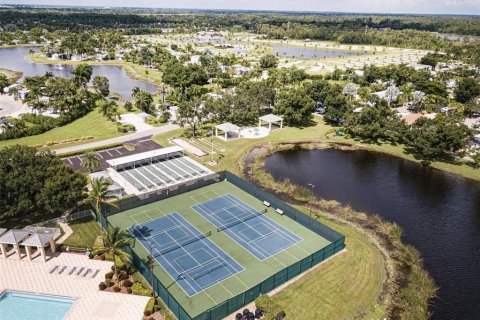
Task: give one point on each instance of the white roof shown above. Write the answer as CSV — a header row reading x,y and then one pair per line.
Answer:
x,y
271,118
228,127
2,231
143,155
38,239
13,236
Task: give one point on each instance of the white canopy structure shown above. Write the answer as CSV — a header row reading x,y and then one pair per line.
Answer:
x,y
270,118
2,231
12,237
39,241
227,128
131,160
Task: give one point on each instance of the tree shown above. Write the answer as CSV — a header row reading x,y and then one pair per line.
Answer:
x,y
144,101
99,194
114,243
375,123
268,61
4,82
101,85
417,99
83,74
433,138
90,161
350,90
295,106
391,94
190,111
108,108
467,90
36,183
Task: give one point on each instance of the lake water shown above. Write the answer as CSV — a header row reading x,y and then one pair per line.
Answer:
x,y
16,59
307,53
439,212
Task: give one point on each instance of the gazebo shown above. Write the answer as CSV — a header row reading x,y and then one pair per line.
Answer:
x,y
227,128
12,237
39,241
270,118
2,231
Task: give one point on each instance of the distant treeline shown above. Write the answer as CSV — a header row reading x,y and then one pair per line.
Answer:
x,y
139,18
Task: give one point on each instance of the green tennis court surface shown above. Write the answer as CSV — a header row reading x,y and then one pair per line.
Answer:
x,y
255,241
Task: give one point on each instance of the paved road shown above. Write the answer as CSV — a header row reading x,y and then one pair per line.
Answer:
x,y
125,138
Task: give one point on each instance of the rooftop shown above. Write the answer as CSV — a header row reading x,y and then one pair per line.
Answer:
x,y
271,118
143,156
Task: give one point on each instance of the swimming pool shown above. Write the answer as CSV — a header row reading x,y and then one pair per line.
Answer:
x,y
25,306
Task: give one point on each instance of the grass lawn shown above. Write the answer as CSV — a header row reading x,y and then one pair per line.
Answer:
x,y
85,231
344,287
235,150
133,70
92,124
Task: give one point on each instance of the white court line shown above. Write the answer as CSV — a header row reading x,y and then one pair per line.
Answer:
x,y
213,251
273,223
268,222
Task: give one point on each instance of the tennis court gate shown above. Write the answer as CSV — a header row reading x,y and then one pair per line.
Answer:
x,y
235,303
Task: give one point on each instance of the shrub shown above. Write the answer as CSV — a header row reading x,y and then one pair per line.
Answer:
x,y
108,282
129,290
116,288
127,283
150,307
109,275
102,286
139,290
122,275
270,309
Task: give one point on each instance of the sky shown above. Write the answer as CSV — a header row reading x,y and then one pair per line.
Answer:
x,y
471,7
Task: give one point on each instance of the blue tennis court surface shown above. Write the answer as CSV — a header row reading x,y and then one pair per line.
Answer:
x,y
253,230
188,256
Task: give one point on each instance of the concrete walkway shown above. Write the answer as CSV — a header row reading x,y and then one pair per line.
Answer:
x,y
121,139
90,303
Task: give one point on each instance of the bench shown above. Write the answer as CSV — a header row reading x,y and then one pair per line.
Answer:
x,y
279,211
266,203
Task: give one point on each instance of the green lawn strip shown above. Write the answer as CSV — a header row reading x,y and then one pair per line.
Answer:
x,y
85,231
92,124
133,70
344,287
235,149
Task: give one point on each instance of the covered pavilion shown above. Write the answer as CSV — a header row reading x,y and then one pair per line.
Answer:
x,y
39,241
13,237
270,119
228,128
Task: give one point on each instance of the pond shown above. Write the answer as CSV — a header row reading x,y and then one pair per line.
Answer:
x,y
16,59
438,212
307,53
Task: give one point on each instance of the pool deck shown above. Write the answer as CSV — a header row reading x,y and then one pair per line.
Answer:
x,y
91,303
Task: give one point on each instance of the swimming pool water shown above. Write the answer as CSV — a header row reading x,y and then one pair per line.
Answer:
x,y
27,306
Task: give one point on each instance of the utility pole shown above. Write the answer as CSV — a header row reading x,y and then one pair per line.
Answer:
x,y
312,186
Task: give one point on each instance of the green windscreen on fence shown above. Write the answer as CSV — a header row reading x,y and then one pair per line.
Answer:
x,y
237,302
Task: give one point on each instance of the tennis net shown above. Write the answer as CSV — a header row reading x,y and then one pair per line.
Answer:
x,y
241,220
205,268
183,243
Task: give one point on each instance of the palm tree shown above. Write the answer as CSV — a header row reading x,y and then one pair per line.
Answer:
x,y
135,91
114,243
99,194
83,74
90,161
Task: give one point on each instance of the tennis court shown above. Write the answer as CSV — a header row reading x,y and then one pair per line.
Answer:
x,y
257,233
191,259
219,243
